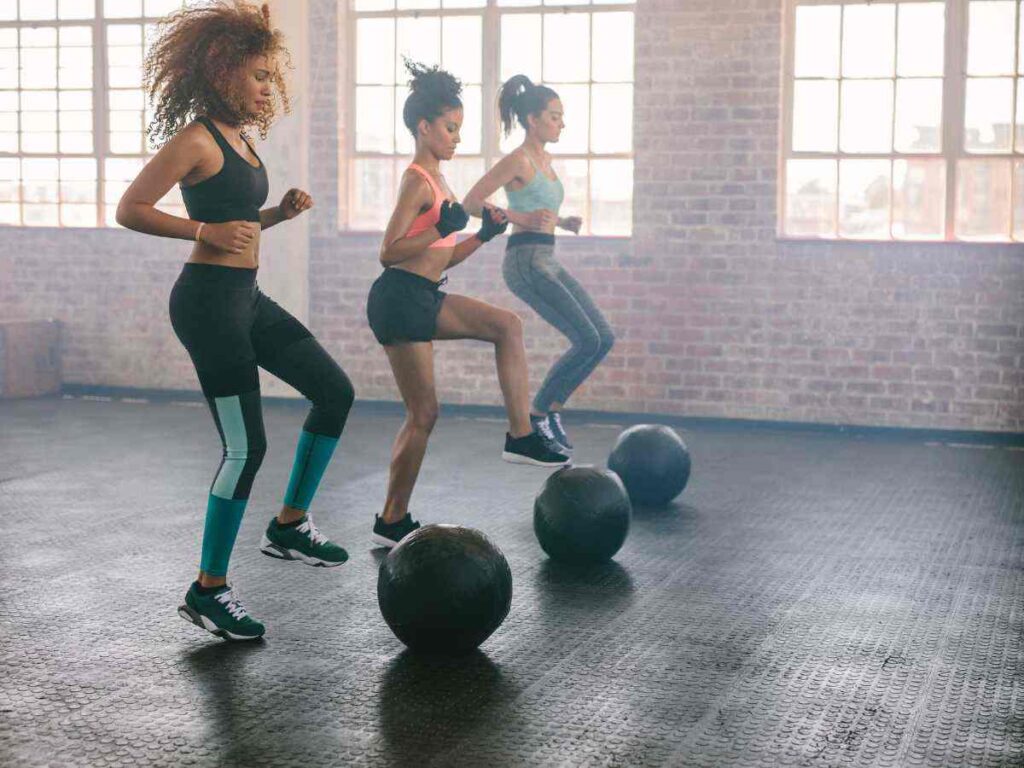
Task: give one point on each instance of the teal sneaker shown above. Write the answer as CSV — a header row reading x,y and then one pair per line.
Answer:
x,y
301,542
220,613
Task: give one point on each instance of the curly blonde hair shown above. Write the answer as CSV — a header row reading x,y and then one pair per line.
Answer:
x,y
190,68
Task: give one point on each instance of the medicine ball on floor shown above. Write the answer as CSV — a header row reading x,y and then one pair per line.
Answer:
x,y
581,515
653,463
444,589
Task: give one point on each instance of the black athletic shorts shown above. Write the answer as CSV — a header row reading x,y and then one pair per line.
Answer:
x,y
403,306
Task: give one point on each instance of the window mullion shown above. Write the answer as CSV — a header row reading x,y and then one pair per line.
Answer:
x,y
954,88
100,112
491,82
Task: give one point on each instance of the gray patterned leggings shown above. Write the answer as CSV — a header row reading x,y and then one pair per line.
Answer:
x,y
533,275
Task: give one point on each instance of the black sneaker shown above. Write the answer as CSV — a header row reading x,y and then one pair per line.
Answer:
x,y
534,449
557,431
389,534
541,424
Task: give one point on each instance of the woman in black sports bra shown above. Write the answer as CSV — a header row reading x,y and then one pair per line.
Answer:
x,y
217,63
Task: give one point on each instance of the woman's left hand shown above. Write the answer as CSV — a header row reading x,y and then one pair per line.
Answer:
x,y
571,224
294,202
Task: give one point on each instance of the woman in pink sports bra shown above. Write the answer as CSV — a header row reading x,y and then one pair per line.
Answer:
x,y
408,311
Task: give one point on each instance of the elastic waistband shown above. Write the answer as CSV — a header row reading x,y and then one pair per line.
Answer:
x,y
396,273
530,238
215,274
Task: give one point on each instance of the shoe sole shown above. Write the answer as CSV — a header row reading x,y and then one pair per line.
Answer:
x,y
270,549
383,541
202,622
518,458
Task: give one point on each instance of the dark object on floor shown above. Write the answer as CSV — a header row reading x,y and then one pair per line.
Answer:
x,y
582,515
653,462
444,589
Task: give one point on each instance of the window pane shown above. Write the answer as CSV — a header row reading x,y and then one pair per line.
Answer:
x,y
471,133
562,62
462,47
122,9
374,190
988,114
1020,115
420,40
816,43
864,192
866,124
10,180
919,199
1018,200
576,102
983,199
122,143
810,198
611,118
41,215
375,121
8,10
921,39
124,34
918,116
38,67
414,4
76,142
161,7
40,180
815,115
35,10
404,143
375,51
78,215
77,9
990,38
521,46
461,174
611,197
375,5
869,40
8,68
463,3
613,48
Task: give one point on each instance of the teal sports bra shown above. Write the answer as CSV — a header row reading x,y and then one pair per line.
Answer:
x,y
540,192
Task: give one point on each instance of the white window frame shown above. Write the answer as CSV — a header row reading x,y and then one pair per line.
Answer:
x,y
100,110
490,150
954,82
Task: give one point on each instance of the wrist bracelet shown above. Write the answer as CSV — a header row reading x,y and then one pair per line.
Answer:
x,y
198,230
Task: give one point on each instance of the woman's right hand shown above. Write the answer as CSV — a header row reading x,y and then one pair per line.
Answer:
x,y
231,236
541,220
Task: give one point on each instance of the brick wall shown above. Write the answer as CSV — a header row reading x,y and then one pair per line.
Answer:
x,y
714,315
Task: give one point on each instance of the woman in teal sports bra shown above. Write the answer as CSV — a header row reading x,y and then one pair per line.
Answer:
x,y
535,195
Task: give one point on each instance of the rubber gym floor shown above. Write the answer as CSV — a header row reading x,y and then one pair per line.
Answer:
x,y
812,599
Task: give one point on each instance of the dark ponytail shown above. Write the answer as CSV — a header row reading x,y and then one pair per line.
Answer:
x,y
519,99
433,91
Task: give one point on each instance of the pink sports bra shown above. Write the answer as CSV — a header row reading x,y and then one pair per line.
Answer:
x,y
425,221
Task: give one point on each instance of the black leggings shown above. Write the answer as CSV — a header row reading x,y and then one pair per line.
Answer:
x,y
229,329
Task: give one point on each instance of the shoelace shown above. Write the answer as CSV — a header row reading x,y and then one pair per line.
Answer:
x,y
556,418
231,603
312,531
545,430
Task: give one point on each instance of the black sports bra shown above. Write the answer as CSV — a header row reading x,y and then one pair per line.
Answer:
x,y
234,193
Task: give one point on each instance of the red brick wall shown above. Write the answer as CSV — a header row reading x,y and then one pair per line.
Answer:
x,y
714,315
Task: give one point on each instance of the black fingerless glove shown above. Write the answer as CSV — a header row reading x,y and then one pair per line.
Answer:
x,y
490,228
453,218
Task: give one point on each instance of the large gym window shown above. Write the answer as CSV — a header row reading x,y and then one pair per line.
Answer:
x,y
72,110
584,50
903,121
